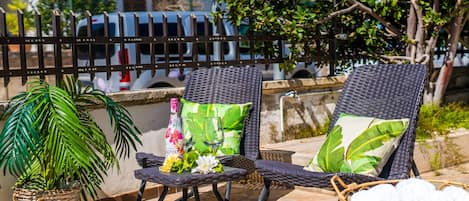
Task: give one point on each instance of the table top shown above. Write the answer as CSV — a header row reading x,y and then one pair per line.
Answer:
x,y
188,179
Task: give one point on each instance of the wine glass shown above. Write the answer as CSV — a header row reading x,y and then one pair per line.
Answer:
x,y
213,132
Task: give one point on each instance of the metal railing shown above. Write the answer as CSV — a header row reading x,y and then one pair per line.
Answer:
x,y
170,48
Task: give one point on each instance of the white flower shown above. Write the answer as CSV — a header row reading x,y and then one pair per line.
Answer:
x,y
456,193
364,195
386,192
439,196
411,190
205,164
414,190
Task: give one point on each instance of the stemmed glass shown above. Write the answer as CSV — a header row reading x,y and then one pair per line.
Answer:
x,y
213,132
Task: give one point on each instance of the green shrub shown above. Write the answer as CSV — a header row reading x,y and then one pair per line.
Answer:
x,y
437,120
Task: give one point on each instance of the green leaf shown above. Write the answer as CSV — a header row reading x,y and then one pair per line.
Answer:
x,y
198,129
218,168
374,137
345,167
331,156
364,164
19,140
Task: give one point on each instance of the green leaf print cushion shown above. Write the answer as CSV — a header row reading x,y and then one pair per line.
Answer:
x,y
360,145
232,116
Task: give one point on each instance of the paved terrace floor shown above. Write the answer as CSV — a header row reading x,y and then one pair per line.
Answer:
x,y
242,192
304,149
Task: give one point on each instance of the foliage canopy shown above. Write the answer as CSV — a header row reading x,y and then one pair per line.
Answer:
x,y
384,30
79,8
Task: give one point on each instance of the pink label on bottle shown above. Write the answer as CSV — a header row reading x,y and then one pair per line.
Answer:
x,y
174,103
174,137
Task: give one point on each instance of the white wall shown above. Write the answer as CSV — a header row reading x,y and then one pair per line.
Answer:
x,y
151,119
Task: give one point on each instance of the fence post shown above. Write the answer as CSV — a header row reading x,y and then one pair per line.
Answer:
x,y
21,35
57,46
40,48
89,33
73,29
279,74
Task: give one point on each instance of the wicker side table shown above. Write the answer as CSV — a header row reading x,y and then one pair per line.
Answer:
x,y
186,180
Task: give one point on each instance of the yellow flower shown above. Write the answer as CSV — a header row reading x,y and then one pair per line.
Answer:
x,y
168,162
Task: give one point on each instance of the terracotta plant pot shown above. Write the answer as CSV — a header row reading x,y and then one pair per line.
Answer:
x,y
16,48
21,194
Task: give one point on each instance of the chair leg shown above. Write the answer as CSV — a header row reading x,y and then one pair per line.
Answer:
x,y
190,194
163,194
415,170
141,190
228,191
265,191
185,196
195,190
215,191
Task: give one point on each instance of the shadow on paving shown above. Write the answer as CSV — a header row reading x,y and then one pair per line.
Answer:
x,y
238,192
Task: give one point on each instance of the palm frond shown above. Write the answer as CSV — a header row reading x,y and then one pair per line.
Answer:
x,y
51,140
19,138
97,139
32,178
126,133
66,150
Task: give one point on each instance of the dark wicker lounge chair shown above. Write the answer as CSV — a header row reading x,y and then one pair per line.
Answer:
x,y
382,91
219,85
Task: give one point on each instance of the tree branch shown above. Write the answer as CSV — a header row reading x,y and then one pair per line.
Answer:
x,y
336,13
454,34
394,31
431,43
411,30
357,5
397,59
420,35
401,59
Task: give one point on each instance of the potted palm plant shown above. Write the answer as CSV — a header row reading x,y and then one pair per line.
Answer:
x,y
55,147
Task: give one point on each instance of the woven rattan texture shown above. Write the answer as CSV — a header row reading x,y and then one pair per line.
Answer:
x,y
382,91
217,85
231,85
225,85
152,174
295,175
20,194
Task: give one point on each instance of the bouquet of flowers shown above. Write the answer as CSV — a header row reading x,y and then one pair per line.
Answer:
x,y
193,162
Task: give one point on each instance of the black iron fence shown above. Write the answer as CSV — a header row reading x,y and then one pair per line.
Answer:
x,y
154,41
147,42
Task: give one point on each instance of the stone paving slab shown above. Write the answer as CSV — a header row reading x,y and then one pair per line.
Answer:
x,y
302,148
241,193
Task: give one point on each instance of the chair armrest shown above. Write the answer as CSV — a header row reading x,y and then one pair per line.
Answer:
x,y
149,160
240,161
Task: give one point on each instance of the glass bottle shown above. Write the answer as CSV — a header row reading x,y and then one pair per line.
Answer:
x,y
174,137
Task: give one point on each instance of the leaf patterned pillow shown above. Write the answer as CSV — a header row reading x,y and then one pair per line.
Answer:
x,y
232,116
360,145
